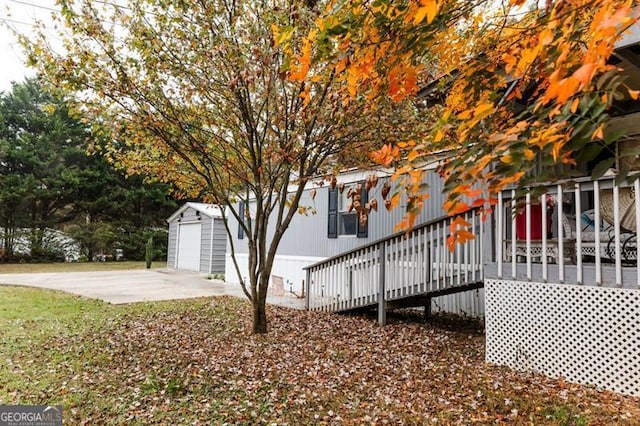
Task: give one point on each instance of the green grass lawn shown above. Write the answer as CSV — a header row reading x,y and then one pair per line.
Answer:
x,y
19,268
195,362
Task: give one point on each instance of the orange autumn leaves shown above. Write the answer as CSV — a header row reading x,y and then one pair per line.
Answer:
x,y
548,63
351,41
459,232
517,86
424,9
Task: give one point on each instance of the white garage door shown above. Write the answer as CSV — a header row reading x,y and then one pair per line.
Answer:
x,y
189,246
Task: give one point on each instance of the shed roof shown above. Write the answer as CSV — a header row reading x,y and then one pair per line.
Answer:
x,y
210,210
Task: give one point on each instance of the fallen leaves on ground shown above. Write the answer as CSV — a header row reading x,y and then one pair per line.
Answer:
x,y
195,362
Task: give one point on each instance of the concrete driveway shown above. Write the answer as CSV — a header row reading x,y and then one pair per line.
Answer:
x,y
137,285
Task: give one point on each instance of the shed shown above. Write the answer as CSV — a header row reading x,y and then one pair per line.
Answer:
x,y
197,239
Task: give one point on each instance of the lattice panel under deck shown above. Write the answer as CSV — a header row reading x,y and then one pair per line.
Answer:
x,y
588,335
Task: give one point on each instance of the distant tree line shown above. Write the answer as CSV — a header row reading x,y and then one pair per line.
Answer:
x,y
48,181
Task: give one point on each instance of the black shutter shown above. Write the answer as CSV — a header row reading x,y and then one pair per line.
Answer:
x,y
363,231
332,229
241,216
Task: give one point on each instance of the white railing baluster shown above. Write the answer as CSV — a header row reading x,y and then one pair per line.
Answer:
x,y
361,289
545,228
359,284
430,254
437,255
328,286
382,285
363,293
322,291
319,275
443,256
423,261
397,267
596,216
499,238
473,249
426,252
416,262
375,271
404,259
451,261
481,253
528,231
616,227
310,290
578,220
397,249
636,197
374,265
513,234
467,248
408,255
397,284
346,297
390,267
446,255
458,253
339,287
560,258
355,275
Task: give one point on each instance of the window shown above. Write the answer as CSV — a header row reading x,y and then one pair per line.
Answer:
x,y
347,221
340,220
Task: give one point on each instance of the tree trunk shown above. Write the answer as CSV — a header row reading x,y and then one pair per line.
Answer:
x,y
259,315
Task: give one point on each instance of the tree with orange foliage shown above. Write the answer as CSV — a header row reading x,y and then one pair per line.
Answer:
x,y
196,94
511,85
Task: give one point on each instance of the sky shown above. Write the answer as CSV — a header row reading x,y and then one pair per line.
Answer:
x,y
20,16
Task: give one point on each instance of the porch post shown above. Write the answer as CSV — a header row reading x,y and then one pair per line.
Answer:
x,y
307,287
382,313
427,309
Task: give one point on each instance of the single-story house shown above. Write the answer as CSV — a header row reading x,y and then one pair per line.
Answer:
x,y
329,229
558,284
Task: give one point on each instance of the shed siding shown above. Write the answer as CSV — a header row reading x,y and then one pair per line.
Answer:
x,y
205,244
171,244
219,247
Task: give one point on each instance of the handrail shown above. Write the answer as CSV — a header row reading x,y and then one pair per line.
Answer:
x,y
629,179
403,268
390,237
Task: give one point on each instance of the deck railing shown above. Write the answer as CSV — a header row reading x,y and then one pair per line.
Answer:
x,y
581,231
398,267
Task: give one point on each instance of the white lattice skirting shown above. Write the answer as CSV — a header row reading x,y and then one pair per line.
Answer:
x,y
588,335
